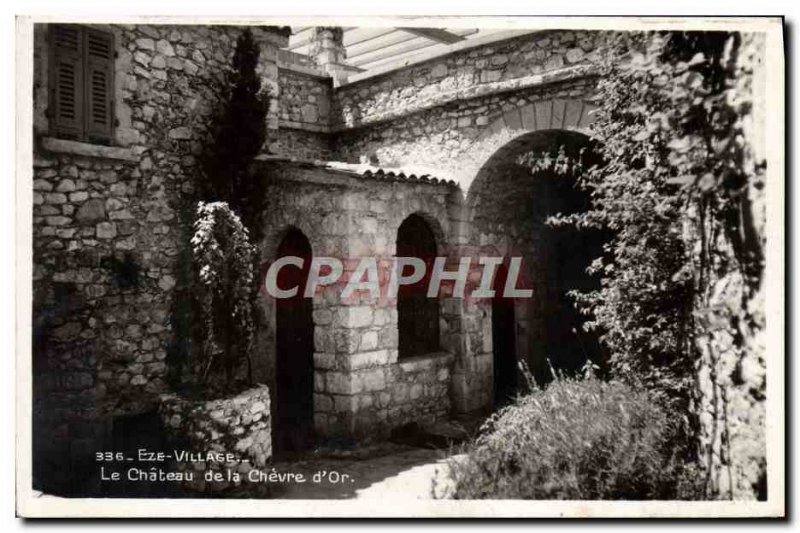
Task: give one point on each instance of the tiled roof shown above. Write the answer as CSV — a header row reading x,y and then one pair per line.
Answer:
x,y
399,175
365,170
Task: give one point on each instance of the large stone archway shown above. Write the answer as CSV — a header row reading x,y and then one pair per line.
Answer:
x,y
504,132
506,214
549,114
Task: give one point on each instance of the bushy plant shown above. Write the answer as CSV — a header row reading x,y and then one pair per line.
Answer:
x,y
223,261
578,439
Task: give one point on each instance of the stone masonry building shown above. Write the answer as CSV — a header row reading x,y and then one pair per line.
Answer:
x,y
361,163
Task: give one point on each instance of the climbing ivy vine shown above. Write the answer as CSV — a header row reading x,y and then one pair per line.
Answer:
x,y
674,188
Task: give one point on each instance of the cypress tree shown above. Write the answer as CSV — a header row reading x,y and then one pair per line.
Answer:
x,y
238,136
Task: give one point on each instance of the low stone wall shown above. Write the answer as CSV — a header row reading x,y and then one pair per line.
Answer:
x,y
239,426
418,389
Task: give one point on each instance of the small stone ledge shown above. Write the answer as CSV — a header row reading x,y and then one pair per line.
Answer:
x,y
301,69
426,361
476,91
305,126
64,146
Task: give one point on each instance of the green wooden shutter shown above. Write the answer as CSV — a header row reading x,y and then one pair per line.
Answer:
x,y
67,77
99,70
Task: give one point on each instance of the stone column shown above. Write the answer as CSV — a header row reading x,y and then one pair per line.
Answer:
x,y
328,52
270,40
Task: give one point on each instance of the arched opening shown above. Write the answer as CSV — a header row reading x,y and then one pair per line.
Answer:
x,y
504,341
516,192
417,315
294,349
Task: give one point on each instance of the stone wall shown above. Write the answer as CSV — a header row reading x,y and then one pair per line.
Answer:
x,y
360,389
455,140
305,99
461,75
100,309
442,112
304,111
237,426
302,144
731,373
106,230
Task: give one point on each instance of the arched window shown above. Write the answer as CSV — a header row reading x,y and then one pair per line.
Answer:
x,y
417,315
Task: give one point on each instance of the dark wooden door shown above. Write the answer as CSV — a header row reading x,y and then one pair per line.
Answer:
x,y
504,342
294,424
417,315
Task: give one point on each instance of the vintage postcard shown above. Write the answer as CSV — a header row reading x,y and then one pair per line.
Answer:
x,y
400,267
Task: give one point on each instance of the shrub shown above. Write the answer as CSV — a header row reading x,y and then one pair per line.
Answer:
x,y
577,440
223,262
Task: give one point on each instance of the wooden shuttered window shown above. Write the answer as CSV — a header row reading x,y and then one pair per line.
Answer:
x,y
67,82
99,71
82,83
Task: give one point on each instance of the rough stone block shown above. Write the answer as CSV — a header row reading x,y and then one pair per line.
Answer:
x,y
439,71
345,404
368,359
78,197
165,48
416,391
106,230
373,380
354,316
324,361
66,185
559,110
543,114
341,383
369,341
572,113
166,282
146,44
574,55
346,341
181,132
322,403
513,119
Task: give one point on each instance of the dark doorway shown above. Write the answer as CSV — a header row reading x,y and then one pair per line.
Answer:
x,y
417,315
294,352
504,342
566,253
517,192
